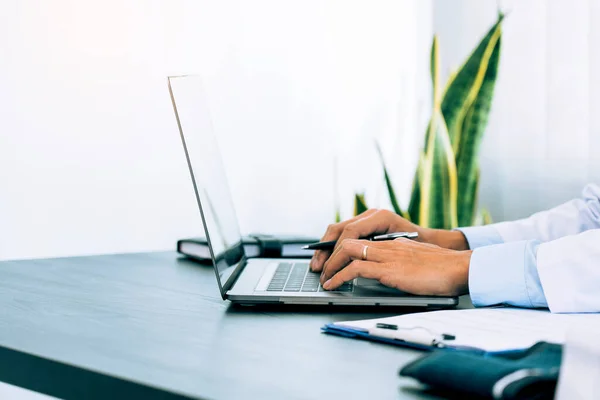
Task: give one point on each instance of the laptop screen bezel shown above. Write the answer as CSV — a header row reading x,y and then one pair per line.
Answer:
x,y
236,249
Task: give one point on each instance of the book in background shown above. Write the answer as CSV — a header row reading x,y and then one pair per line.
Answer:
x,y
255,246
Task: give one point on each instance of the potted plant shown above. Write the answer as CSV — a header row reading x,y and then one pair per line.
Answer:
x,y
445,185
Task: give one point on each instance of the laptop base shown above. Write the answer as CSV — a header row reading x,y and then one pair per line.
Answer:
x,y
364,293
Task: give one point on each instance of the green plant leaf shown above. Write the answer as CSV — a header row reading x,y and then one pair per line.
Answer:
x,y
483,218
414,206
463,88
444,192
390,187
434,65
415,196
473,195
415,199
486,217
360,205
473,128
438,178
338,217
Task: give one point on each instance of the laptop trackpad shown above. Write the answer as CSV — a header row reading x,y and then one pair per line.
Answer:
x,y
373,285
367,282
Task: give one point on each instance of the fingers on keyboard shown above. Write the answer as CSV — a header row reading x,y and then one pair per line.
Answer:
x,y
297,277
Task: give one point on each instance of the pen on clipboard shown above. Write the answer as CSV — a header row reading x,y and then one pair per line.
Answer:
x,y
418,335
388,236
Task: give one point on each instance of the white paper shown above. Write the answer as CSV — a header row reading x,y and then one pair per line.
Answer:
x,y
580,367
492,329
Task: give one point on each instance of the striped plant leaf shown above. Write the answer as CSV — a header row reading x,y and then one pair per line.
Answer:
x,y
414,208
438,189
463,88
390,186
415,199
473,128
486,217
437,175
445,185
483,218
360,205
474,196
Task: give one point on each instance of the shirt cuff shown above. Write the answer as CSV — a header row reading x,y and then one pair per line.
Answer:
x,y
506,274
480,236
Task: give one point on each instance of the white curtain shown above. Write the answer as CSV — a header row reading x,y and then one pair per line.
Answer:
x,y
543,139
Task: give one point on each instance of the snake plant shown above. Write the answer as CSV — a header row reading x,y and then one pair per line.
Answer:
x,y
445,185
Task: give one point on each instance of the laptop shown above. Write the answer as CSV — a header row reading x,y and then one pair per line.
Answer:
x,y
254,281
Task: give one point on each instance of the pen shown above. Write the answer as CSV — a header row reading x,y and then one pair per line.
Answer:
x,y
393,327
388,236
414,335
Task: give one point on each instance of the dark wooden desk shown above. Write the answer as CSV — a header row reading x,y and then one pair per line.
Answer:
x,y
154,326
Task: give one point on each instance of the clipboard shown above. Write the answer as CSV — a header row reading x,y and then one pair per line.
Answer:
x,y
493,331
399,338
364,334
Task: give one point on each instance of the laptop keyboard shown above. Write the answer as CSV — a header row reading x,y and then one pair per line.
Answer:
x,y
297,277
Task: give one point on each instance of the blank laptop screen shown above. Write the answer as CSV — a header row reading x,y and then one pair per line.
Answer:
x,y
208,176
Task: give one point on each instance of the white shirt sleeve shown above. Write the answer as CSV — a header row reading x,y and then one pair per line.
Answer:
x,y
563,274
569,271
503,273
570,218
551,259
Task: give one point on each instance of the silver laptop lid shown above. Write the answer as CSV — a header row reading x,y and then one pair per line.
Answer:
x,y
208,177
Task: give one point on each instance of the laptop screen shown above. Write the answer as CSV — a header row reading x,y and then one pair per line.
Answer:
x,y
208,177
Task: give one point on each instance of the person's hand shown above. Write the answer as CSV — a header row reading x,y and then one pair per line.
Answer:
x,y
413,267
373,222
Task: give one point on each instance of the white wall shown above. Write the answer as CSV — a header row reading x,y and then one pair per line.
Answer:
x,y
543,140
90,160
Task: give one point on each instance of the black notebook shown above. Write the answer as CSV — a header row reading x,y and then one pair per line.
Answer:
x,y
255,245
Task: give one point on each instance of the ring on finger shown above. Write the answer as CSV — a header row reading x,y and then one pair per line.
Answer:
x,y
364,253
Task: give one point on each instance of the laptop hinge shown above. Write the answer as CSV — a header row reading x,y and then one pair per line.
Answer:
x,y
234,277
